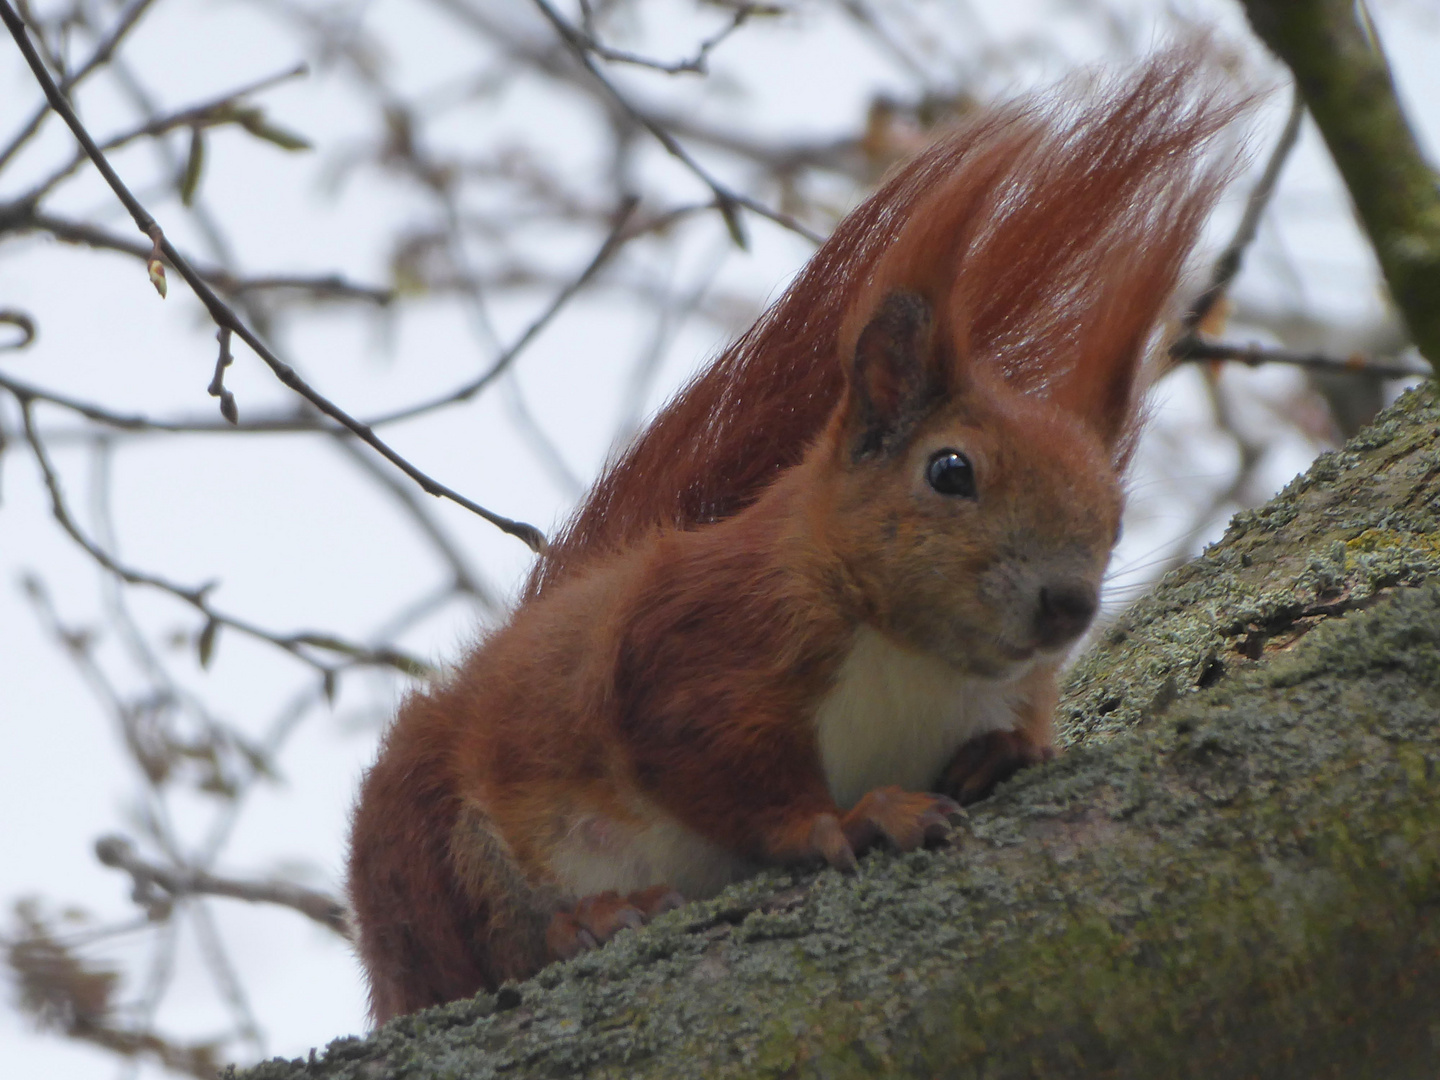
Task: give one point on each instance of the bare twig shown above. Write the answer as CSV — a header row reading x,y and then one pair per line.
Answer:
x,y
464,578
1228,264
221,110
838,155
547,454
1340,67
21,322
610,245
727,201
216,389
218,110
297,645
98,58
1194,349
226,318
1192,345
222,971
696,65
157,887
869,22
21,217
66,993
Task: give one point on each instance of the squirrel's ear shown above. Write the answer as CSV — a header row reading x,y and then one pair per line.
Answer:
x,y
896,374
1103,390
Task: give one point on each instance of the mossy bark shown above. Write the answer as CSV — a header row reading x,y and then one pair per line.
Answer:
x,y
1233,871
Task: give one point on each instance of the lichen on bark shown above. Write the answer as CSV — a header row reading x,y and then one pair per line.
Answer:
x,y
1234,870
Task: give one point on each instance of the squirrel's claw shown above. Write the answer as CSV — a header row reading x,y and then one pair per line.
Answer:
x,y
828,839
906,820
594,920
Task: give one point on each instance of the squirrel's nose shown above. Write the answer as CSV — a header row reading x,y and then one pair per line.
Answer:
x,y
1064,611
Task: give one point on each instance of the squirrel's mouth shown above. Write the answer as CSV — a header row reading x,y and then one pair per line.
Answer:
x,y
1015,654
995,658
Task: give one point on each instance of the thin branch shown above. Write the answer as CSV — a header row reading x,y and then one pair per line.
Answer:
x,y
1340,66
1229,261
160,974
1194,349
21,217
880,33
696,65
217,110
21,322
464,578
296,644
221,110
226,318
155,885
25,391
612,243
840,155
1192,346
280,730
727,201
546,453
227,979
99,57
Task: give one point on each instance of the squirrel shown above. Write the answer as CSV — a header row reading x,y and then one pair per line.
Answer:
x,y
824,597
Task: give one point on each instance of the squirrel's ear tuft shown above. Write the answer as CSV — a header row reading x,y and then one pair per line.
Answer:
x,y
896,374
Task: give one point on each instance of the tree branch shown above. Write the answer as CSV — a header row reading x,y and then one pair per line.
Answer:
x,y
727,201
696,65
98,58
613,240
1195,349
296,644
1340,68
156,887
224,316
1225,268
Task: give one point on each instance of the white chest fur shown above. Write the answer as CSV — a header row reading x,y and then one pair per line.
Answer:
x,y
892,717
896,717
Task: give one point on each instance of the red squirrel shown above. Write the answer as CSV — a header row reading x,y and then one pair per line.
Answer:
x,y
828,590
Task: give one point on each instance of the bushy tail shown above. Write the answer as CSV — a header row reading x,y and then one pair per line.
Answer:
x,y
1048,234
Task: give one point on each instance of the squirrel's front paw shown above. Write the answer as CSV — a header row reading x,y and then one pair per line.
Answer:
x,y
987,760
903,819
594,920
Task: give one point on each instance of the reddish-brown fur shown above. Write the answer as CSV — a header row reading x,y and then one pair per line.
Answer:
x,y
665,668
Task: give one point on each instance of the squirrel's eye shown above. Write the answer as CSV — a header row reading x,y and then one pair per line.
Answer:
x,y
950,473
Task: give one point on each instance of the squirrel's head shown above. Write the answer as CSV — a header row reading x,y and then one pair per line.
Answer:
x,y
992,352
974,519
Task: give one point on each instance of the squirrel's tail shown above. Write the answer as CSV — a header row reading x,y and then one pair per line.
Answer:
x,y
1048,234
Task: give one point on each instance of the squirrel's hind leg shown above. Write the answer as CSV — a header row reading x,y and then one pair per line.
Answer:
x,y
508,913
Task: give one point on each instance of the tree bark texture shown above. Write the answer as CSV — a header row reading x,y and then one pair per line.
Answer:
x,y
1232,871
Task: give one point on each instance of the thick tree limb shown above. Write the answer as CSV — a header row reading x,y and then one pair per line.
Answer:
x,y
1341,70
1234,870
